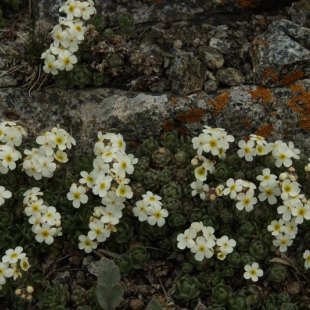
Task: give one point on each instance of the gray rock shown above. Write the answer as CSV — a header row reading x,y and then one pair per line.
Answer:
x,y
187,74
6,80
210,86
213,59
230,76
280,55
221,45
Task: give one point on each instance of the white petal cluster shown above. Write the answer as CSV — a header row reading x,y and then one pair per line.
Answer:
x,y
12,264
45,219
150,209
67,36
201,241
39,162
108,181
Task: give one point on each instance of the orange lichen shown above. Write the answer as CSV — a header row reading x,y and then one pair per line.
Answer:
x,y
174,100
268,73
246,123
219,102
260,42
295,88
168,125
182,131
265,131
246,3
301,104
133,143
261,93
192,116
291,77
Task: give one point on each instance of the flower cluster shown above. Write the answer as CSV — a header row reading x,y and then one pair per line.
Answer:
x,y
12,264
201,241
67,36
108,181
150,209
45,219
11,135
39,162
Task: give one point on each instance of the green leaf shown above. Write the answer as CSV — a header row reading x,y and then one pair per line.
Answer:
x,y
154,305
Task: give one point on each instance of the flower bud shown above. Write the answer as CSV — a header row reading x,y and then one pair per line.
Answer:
x,y
283,176
30,289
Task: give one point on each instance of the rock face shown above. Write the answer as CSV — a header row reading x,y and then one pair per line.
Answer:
x,y
232,64
281,55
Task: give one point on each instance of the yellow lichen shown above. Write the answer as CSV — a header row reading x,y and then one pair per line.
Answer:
x,y
174,100
219,102
261,93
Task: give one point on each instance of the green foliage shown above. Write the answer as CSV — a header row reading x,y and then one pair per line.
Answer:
x,y
138,256
154,305
186,289
221,294
277,273
109,291
126,24
56,295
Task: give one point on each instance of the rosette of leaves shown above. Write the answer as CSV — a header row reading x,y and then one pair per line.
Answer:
x,y
55,295
254,296
138,256
248,228
258,250
238,302
63,80
176,219
209,279
98,22
161,156
78,295
81,76
277,274
186,289
114,60
99,79
123,263
124,230
288,306
234,260
127,25
221,294
221,172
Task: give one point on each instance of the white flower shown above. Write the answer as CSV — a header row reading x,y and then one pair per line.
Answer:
x,y
269,192
112,199
77,194
199,142
140,210
247,150
201,249
246,201
12,256
233,187
306,256
213,144
46,166
13,137
283,241
14,272
208,233
286,208
151,199
4,194
283,155
31,194
156,215
124,191
9,156
51,216
258,139
197,226
87,178
289,189
86,10
66,60
50,65
36,206
226,245
301,211
252,271
296,152
266,177
72,9
61,156
199,188
275,227
98,231
186,239
45,233
110,215
201,173
290,228
3,269
118,142
123,165
86,244
102,185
